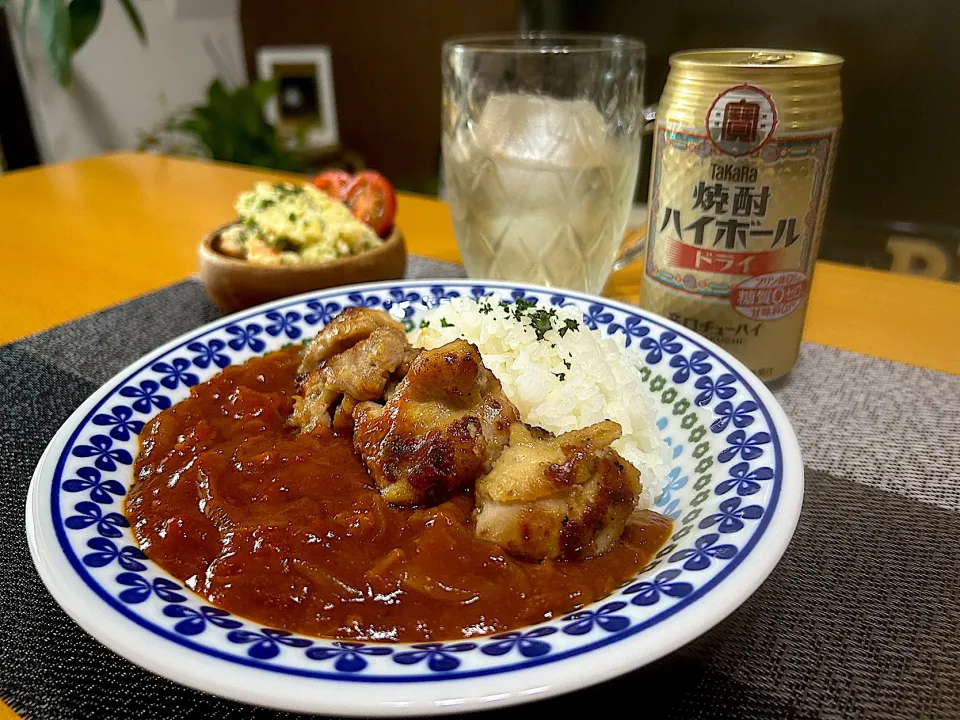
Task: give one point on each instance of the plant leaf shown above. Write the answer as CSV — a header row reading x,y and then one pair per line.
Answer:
x,y
27,6
54,23
249,112
193,125
218,99
263,90
85,16
231,127
134,16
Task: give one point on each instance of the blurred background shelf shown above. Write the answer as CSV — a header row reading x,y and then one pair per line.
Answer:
x,y
892,204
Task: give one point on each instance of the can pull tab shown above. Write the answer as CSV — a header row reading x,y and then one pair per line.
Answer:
x,y
768,58
649,118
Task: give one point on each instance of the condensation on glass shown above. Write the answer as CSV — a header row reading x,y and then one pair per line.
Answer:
x,y
541,146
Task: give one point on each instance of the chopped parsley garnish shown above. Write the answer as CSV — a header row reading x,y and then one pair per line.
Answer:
x,y
444,323
566,365
424,324
569,325
286,189
292,217
562,376
486,309
265,203
521,305
541,321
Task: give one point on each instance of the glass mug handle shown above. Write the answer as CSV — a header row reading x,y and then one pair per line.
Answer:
x,y
632,252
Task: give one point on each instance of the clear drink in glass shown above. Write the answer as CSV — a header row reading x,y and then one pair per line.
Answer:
x,y
541,146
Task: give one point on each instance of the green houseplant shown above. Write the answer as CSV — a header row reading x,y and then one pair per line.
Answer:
x,y
66,26
229,126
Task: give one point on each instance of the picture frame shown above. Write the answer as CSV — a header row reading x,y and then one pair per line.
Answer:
x,y
304,110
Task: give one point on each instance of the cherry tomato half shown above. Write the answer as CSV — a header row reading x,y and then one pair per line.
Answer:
x,y
372,200
334,183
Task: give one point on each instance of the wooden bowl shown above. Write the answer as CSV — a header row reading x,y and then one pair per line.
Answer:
x,y
235,284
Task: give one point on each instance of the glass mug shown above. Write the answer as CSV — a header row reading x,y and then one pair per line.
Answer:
x,y
541,139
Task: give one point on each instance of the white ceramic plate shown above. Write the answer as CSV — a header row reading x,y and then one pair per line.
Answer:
x,y
734,493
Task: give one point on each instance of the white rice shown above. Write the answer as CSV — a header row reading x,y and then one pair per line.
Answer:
x,y
602,381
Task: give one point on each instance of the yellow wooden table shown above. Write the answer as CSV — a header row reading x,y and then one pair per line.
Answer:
x,y
88,234
81,236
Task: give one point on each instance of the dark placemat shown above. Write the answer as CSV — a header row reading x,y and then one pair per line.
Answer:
x,y
859,620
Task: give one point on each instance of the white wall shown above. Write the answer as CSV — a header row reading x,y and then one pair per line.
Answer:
x,y
120,87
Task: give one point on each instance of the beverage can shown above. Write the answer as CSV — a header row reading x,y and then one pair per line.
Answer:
x,y
744,147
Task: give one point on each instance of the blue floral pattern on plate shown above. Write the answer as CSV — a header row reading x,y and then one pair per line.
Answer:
x,y
722,488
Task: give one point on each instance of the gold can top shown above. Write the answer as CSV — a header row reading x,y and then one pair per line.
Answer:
x,y
759,58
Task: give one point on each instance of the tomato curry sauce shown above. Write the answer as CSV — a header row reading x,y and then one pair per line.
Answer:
x,y
289,530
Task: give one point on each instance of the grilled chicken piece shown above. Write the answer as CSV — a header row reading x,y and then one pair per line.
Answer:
x,y
343,416
408,357
443,426
400,373
351,358
563,497
347,328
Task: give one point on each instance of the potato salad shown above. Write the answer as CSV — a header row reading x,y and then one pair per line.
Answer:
x,y
282,223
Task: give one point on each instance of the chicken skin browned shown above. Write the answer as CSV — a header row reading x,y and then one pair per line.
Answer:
x,y
442,428
351,360
563,497
345,330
